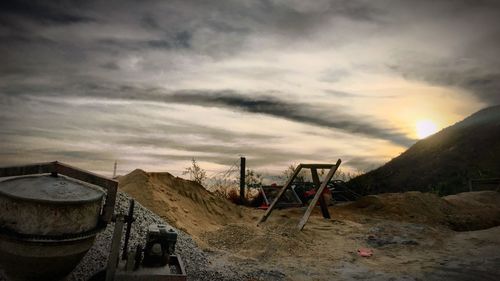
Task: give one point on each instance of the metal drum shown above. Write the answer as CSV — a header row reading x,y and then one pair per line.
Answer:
x,y
48,205
49,221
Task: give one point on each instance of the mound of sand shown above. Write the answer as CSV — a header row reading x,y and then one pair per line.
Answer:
x,y
476,210
185,204
269,241
409,232
464,211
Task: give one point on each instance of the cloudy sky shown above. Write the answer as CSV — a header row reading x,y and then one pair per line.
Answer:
x,y
152,84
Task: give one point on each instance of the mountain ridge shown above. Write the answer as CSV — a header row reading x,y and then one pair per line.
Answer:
x,y
444,162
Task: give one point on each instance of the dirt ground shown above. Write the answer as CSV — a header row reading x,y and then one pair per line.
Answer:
x,y
413,235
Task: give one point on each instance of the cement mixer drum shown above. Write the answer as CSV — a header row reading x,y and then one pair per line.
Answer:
x,y
48,221
47,205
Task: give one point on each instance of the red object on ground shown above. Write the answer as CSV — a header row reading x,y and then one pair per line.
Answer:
x,y
312,192
264,206
365,252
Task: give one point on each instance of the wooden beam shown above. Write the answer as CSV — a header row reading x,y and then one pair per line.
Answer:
x,y
322,202
319,193
32,169
317,166
287,185
114,251
242,180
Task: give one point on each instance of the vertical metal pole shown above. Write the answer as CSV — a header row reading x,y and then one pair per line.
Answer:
x,y
242,179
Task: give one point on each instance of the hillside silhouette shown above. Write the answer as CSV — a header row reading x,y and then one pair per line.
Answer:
x,y
444,162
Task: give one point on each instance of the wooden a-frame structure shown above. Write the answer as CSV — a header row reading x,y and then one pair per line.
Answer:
x,y
317,197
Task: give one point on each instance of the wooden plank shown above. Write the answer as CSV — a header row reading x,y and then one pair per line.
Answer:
x,y
58,167
317,166
32,169
242,180
114,252
287,185
319,193
322,202
85,176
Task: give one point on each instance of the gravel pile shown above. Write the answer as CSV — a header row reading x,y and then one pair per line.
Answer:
x,y
95,260
194,259
197,263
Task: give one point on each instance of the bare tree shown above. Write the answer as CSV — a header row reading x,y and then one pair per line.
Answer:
x,y
195,172
288,172
253,179
223,181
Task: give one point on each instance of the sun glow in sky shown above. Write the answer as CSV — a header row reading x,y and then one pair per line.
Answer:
x,y
425,128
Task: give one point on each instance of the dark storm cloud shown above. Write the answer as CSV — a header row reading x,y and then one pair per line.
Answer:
x,y
484,83
44,133
45,12
179,40
257,103
221,26
298,112
234,22
220,154
470,34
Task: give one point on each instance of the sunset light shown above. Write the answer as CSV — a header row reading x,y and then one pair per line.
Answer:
x,y
425,128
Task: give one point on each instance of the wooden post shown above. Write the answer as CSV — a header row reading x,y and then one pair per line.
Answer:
x,y
114,170
322,202
319,193
242,179
114,255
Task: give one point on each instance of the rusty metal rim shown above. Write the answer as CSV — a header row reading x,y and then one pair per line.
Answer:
x,y
72,202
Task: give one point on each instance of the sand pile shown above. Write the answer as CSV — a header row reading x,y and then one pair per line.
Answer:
x,y
409,206
476,210
465,211
183,203
410,230
267,242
